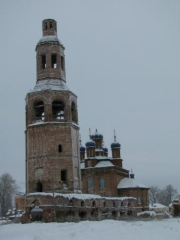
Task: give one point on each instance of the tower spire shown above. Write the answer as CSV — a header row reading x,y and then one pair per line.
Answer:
x,y
114,135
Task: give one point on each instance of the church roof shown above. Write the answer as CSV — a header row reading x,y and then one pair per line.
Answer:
x,y
104,164
130,183
50,84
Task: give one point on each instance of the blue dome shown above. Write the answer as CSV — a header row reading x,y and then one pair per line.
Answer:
x,y
82,149
115,145
90,144
106,150
96,136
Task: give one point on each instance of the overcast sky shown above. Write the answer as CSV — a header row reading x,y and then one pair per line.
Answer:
x,y
123,63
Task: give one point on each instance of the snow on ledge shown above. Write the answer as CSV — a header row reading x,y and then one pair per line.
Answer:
x,y
50,84
79,196
130,183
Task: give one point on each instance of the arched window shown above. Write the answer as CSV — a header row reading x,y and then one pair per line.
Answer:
x,y
90,183
74,112
70,203
93,204
102,183
39,111
39,187
58,110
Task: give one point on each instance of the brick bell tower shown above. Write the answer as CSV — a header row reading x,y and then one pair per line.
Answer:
x,y
52,131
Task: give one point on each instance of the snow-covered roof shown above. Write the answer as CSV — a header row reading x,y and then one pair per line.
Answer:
x,y
50,84
79,196
157,205
50,38
130,183
104,164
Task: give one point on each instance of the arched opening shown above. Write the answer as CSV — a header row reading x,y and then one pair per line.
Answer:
x,y
58,110
90,183
39,186
102,183
39,111
93,204
74,112
70,203
104,204
51,25
45,26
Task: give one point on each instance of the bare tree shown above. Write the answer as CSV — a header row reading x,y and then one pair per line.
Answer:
x,y
154,194
7,188
167,195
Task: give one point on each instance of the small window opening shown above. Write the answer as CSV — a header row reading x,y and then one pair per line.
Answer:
x,y
102,183
58,110
70,203
62,63
122,204
51,25
39,111
43,61
114,204
104,204
54,61
82,203
74,112
89,164
60,148
90,183
63,175
93,204
39,187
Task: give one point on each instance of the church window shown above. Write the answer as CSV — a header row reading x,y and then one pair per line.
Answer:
x,y
64,175
54,61
60,148
74,112
43,61
104,204
93,204
70,203
51,25
139,200
58,110
39,111
89,164
39,187
62,62
90,183
102,183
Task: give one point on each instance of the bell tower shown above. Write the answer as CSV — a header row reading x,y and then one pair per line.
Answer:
x,y
52,130
50,53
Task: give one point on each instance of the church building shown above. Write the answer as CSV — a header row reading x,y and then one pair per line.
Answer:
x,y
54,157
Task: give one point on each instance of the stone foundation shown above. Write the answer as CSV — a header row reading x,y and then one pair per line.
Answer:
x,y
76,207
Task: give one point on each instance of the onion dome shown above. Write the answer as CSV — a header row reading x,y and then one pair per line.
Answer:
x,y
82,149
96,135
90,144
105,150
115,145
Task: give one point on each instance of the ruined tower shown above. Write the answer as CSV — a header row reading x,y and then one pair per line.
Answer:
x,y
52,131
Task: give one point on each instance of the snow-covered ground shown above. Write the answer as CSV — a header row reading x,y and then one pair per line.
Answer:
x,y
168,229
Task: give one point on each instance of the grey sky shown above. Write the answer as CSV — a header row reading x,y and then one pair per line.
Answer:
x,y
122,61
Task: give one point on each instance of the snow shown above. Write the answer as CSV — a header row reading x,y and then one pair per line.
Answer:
x,y
150,213
156,205
78,196
104,164
130,183
50,38
50,84
105,230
